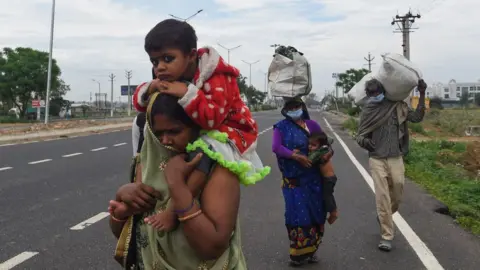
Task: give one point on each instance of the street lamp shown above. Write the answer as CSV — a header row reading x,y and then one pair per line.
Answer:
x,y
229,49
98,100
49,72
250,64
187,19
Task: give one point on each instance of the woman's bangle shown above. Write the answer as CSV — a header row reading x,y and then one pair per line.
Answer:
x,y
185,210
191,216
117,220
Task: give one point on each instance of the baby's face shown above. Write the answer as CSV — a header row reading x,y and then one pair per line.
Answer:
x,y
313,145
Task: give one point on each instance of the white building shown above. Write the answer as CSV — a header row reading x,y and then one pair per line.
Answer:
x,y
453,90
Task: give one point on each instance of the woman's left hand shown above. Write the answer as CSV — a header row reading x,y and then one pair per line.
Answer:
x,y
178,169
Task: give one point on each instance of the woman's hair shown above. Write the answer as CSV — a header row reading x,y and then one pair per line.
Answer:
x,y
171,33
168,106
289,103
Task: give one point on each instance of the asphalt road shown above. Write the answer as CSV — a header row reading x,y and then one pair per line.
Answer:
x,y
49,189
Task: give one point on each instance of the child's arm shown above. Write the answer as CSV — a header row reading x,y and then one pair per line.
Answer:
x,y
209,106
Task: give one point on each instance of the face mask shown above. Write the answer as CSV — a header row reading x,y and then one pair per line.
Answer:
x,y
295,115
377,99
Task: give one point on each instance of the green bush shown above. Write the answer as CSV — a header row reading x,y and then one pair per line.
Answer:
x,y
351,124
354,111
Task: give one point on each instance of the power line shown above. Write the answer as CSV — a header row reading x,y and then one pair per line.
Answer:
x,y
369,60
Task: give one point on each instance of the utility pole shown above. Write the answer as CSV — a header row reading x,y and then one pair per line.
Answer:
x,y
335,76
112,77
128,74
369,60
250,64
404,24
229,50
49,70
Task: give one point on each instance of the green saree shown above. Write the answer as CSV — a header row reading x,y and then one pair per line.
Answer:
x,y
171,251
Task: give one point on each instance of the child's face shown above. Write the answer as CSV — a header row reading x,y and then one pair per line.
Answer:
x,y
313,145
173,64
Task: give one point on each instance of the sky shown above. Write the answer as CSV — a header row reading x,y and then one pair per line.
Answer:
x,y
96,38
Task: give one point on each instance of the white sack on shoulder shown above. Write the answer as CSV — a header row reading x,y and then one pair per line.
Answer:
x,y
398,75
358,90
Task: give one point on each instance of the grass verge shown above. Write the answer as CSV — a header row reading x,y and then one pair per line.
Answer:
x,y
438,167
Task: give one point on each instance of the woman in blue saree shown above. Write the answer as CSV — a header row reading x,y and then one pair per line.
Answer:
x,y
302,186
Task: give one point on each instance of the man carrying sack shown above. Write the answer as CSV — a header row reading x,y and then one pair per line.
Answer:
x,y
383,131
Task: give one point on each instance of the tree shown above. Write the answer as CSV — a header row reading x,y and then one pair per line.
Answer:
x,y
477,99
350,77
23,75
464,98
254,96
436,103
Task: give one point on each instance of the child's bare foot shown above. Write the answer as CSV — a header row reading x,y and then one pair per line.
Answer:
x,y
332,217
163,221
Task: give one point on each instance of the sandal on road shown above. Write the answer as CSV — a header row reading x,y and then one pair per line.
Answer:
x,y
385,245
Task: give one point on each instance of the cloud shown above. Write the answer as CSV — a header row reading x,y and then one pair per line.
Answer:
x,y
95,38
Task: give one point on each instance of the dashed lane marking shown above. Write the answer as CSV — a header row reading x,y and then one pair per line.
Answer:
x,y
20,258
39,161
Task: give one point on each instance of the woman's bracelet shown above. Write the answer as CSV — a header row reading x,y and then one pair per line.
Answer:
x,y
185,210
191,216
117,220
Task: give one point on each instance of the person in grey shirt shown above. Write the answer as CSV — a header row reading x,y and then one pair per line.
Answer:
x,y
383,131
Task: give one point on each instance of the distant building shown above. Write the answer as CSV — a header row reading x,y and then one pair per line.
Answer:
x,y
452,91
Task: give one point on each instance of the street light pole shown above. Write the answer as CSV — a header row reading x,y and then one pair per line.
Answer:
x,y
187,19
229,50
49,72
250,64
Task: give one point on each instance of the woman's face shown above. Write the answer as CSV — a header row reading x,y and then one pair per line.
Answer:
x,y
172,133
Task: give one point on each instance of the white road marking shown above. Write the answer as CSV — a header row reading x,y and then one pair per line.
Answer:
x,y
82,225
8,144
5,169
20,258
98,149
119,144
72,155
39,161
265,130
423,252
